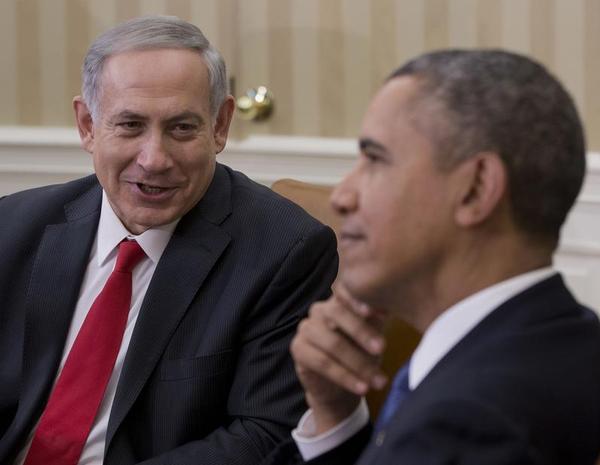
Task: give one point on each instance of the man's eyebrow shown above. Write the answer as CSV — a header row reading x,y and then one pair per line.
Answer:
x,y
186,115
366,143
128,114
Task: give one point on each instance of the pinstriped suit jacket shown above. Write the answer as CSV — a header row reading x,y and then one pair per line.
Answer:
x,y
207,378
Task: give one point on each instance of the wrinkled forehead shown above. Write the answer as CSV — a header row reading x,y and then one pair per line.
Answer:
x,y
163,77
155,67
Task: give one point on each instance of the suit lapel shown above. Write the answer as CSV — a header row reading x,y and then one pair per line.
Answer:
x,y
195,247
56,277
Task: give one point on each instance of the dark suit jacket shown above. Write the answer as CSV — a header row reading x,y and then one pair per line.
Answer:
x,y
522,388
207,378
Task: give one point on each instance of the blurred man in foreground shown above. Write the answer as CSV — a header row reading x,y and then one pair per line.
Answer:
x,y
470,162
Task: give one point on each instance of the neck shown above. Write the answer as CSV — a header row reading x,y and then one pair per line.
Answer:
x,y
480,264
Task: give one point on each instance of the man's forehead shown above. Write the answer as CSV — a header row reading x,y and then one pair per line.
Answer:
x,y
171,80
399,93
393,104
145,67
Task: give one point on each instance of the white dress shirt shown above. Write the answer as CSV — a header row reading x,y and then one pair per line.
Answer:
x,y
101,262
439,338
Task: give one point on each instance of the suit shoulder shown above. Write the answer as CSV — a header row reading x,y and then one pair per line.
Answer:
x,y
44,202
265,204
501,373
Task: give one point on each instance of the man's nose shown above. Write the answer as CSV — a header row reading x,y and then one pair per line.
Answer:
x,y
344,198
154,155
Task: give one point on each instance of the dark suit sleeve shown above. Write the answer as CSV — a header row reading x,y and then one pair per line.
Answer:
x,y
346,454
266,400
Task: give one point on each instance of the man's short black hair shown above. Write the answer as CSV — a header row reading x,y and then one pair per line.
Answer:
x,y
493,100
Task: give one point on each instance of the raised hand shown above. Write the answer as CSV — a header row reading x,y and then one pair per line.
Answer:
x,y
337,353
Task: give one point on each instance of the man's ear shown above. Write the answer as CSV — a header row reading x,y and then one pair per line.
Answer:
x,y
85,125
483,181
222,123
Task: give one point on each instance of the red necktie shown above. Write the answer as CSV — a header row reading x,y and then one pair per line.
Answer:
x,y
67,420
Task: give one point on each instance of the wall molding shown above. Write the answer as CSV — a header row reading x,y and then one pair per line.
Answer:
x,y
32,157
57,151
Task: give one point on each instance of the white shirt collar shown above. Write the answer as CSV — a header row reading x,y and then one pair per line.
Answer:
x,y
111,232
454,323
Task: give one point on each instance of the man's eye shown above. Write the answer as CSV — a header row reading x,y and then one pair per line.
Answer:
x,y
183,131
371,157
184,127
130,125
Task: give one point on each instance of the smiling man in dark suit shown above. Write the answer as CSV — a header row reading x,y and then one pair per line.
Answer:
x,y
146,311
470,162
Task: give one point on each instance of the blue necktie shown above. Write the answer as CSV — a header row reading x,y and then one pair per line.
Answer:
x,y
398,392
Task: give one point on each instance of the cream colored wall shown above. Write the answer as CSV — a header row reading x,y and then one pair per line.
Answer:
x,y
42,44
321,58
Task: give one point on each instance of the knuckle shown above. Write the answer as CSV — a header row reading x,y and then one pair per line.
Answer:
x,y
316,309
304,329
333,343
322,363
302,326
300,369
296,347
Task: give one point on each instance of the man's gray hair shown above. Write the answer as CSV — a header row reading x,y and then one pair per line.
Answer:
x,y
150,33
472,101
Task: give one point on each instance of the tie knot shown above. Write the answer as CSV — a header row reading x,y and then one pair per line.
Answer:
x,y
130,254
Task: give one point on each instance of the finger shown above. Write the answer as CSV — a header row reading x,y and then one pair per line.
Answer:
x,y
341,292
361,331
335,351
328,369
319,311
375,315
311,361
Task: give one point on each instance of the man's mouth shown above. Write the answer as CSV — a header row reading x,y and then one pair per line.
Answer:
x,y
150,189
348,233
347,236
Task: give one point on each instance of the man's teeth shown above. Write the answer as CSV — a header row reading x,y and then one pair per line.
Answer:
x,y
150,189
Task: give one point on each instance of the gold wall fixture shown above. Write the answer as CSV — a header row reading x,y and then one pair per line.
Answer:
x,y
256,104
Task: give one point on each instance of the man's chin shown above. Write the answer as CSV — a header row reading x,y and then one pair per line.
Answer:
x,y
138,224
358,285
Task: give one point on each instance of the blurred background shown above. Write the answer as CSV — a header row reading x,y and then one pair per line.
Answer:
x,y
321,59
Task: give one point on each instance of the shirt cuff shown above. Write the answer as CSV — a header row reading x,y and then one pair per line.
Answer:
x,y
311,446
